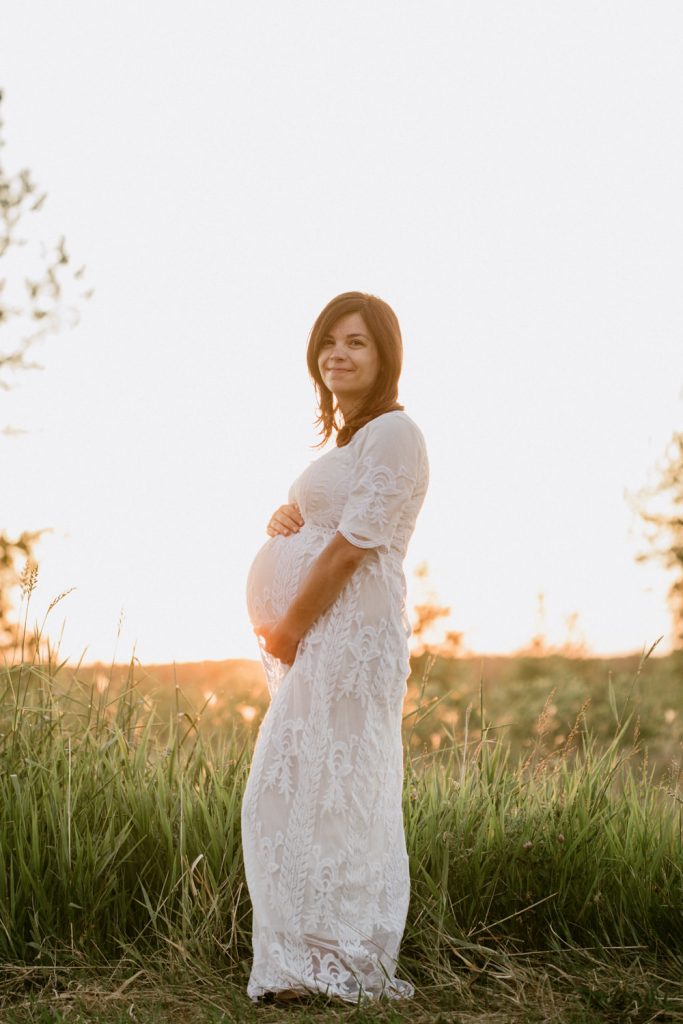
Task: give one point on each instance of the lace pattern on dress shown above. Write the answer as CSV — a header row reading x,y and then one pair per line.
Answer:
x,y
322,824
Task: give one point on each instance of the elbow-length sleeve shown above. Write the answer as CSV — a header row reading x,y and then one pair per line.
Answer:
x,y
385,474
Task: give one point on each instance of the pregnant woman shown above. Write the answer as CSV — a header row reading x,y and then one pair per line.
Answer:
x,y
322,826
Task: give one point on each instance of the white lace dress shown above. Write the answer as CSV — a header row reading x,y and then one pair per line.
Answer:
x,y
322,826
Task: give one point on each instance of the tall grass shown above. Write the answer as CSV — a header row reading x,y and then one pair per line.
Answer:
x,y
109,843
120,842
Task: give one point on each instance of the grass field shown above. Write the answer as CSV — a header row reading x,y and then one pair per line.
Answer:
x,y
528,702
544,832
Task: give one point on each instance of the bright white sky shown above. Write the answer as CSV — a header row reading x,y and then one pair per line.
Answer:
x,y
506,175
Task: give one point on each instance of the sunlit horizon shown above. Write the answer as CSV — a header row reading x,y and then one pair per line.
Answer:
x,y
223,173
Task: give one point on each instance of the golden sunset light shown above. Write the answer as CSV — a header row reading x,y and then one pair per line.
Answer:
x,y
518,207
341,511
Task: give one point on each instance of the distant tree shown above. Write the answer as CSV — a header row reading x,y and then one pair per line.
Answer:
x,y
33,304
575,645
538,646
665,528
427,614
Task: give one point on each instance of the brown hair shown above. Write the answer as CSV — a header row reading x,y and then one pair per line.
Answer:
x,y
382,324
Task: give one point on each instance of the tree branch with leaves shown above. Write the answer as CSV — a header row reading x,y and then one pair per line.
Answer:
x,y
40,293
665,527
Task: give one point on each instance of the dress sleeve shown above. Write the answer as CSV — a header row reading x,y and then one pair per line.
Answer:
x,y
383,478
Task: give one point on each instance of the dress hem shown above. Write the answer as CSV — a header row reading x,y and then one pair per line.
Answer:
x,y
399,989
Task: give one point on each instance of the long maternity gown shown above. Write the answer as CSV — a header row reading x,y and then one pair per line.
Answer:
x,y
322,826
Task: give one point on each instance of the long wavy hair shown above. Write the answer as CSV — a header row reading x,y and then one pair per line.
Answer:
x,y
382,324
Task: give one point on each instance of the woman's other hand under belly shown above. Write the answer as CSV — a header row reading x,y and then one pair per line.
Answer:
x,y
278,641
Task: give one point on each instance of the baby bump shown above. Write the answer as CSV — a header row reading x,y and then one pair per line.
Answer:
x,y
278,570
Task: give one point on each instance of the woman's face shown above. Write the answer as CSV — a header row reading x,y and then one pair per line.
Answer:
x,y
348,361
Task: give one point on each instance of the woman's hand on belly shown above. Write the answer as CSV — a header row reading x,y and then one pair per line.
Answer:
x,y
285,520
278,641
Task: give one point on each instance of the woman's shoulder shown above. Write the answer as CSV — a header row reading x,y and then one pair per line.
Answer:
x,y
394,428
396,422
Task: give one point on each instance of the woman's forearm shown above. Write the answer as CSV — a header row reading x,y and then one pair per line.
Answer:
x,y
323,583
